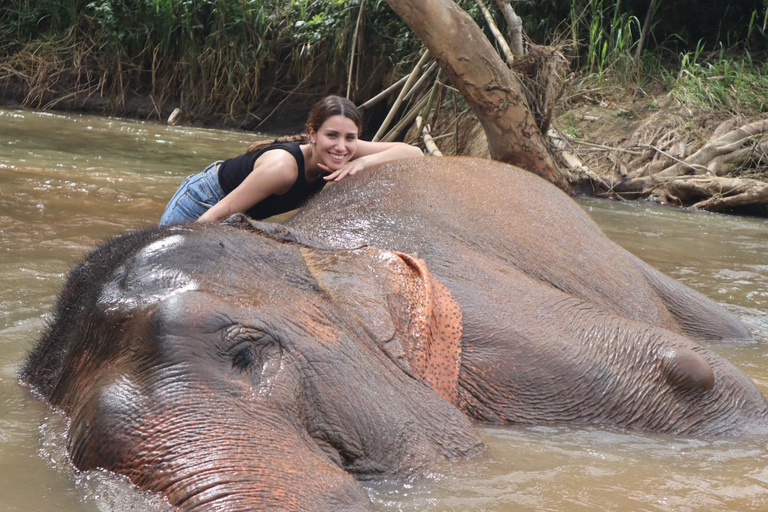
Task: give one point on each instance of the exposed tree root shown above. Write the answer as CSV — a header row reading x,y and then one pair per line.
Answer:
x,y
712,177
721,193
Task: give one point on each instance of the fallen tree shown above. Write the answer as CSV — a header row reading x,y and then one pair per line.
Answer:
x,y
495,93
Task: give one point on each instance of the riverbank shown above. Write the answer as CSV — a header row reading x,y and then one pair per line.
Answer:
x,y
228,74
654,142
254,66
277,119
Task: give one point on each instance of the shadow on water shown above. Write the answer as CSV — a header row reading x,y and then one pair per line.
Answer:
x,y
68,182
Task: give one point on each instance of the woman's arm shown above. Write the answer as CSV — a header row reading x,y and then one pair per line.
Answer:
x,y
274,172
372,153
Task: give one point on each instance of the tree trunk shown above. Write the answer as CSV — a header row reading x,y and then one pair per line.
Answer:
x,y
514,25
492,90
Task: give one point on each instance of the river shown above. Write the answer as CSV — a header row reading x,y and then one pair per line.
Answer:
x,y
68,182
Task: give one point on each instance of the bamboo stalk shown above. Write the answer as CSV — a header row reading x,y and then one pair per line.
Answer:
x,y
407,87
435,114
429,142
496,33
405,121
424,78
432,95
354,46
383,94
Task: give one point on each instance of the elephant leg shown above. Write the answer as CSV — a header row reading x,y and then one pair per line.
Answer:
x,y
541,356
698,316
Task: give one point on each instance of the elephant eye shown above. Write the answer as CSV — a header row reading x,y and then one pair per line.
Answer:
x,y
249,347
243,357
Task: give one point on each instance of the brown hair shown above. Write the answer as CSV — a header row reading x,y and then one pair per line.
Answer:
x,y
327,107
333,106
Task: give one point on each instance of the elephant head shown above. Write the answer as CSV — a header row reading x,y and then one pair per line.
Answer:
x,y
228,370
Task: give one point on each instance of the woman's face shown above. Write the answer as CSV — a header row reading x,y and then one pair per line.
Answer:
x,y
335,141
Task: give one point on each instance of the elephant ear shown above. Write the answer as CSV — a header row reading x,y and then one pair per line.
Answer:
x,y
401,305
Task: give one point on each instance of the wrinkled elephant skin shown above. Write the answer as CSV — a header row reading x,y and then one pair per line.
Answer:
x,y
561,325
252,365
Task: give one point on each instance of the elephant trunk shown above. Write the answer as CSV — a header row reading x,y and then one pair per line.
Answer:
x,y
232,459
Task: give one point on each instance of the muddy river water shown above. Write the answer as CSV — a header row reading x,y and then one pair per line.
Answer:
x,y
68,182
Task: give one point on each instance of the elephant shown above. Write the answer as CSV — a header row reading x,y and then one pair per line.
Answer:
x,y
251,365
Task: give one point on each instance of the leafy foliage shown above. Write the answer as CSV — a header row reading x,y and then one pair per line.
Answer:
x,y
214,56
679,25
719,82
234,58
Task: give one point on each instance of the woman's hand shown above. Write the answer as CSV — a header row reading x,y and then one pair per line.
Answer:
x,y
348,169
369,154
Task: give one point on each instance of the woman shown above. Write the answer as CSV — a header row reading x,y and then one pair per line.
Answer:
x,y
273,178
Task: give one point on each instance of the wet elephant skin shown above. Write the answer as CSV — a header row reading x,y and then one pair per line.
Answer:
x,y
560,325
210,365
253,365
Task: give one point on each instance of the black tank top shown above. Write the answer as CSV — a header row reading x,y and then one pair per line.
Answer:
x,y
233,172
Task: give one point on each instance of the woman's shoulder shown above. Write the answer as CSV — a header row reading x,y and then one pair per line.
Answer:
x,y
293,148
281,151
278,163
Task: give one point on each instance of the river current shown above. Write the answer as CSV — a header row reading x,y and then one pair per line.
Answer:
x,y
69,181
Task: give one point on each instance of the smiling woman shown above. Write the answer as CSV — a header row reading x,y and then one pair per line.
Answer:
x,y
273,178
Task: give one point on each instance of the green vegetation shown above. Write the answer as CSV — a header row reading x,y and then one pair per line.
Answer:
x,y
724,69
238,59
612,37
215,57
719,82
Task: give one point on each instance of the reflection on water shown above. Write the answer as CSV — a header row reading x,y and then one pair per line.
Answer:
x,y
68,182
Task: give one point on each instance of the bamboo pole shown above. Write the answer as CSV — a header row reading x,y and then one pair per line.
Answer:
x,y
496,33
383,94
433,117
406,120
354,46
429,142
432,95
417,85
407,87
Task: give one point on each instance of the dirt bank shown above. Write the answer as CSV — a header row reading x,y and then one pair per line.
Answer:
x,y
645,145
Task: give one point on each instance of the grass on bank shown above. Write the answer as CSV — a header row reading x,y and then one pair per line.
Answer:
x,y
708,77
729,82
213,58
231,58
721,82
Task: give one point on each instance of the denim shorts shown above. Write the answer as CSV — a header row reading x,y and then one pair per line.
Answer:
x,y
194,197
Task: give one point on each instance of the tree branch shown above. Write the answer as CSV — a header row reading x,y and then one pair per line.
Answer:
x,y
496,33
